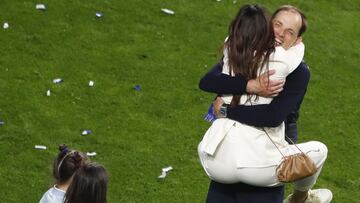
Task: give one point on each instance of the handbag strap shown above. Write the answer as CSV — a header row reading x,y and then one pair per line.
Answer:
x,y
277,146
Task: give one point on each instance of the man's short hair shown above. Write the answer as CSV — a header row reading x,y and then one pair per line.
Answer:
x,y
295,10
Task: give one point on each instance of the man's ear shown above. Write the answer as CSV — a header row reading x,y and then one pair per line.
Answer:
x,y
298,40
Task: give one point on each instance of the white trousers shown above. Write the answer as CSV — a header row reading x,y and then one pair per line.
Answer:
x,y
222,167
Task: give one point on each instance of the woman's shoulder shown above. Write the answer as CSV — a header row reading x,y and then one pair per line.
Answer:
x,y
290,58
294,51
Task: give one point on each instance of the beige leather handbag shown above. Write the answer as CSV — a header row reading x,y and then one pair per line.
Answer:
x,y
294,167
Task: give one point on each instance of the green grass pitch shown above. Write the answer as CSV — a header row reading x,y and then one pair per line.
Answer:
x,y
136,133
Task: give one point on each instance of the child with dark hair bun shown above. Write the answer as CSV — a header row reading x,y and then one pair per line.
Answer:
x,y
88,185
65,165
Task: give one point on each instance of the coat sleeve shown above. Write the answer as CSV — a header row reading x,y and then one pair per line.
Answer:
x,y
273,114
216,82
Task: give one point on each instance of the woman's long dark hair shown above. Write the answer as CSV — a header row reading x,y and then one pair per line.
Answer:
x,y
250,42
89,185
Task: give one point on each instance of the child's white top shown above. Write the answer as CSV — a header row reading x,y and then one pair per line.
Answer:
x,y
53,195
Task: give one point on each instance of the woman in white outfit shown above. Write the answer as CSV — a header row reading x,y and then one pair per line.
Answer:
x,y
232,152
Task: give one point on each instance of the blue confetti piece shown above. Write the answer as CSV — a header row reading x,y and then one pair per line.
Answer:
x,y
210,116
137,87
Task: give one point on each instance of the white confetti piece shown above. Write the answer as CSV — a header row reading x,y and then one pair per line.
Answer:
x,y
40,147
168,11
98,14
165,171
6,25
91,153
163,175
91,83
57,80
86,132
40,7
48,93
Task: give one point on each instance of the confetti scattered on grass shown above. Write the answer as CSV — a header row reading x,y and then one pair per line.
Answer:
x,y
91,153
41,7
168,11
164,172
137,87
6,25
40,147
86,132
98,14
58,80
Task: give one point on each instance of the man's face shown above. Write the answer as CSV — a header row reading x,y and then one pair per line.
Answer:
x,y
286,28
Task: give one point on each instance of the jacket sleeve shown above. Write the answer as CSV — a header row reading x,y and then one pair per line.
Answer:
x,y
216,82
273,114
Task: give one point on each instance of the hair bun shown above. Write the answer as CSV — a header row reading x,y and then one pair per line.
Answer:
x,y
63,148
78,158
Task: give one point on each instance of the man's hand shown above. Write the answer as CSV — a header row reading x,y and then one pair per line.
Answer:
x,y
264,87
217,103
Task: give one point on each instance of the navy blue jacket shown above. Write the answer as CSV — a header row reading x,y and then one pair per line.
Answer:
x,y
283,107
